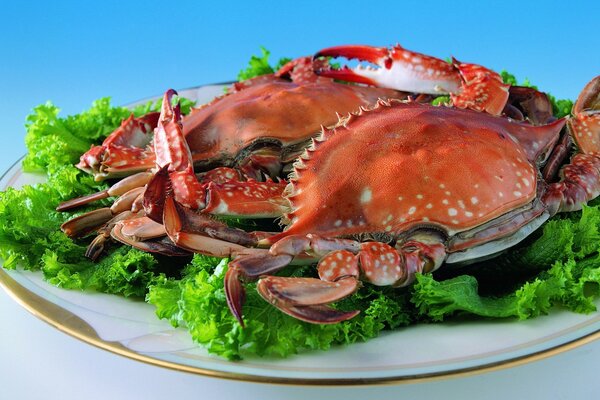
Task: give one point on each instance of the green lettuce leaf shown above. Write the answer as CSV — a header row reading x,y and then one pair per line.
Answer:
x,y
259,65
566,258
197,301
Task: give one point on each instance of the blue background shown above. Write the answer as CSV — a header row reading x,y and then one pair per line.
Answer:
x,y
75,52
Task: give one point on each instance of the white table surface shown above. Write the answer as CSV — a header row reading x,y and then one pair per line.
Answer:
x,y
39,362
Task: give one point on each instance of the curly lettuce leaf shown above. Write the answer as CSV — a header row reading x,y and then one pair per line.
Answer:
x,y
197,301
54,142
569,246
259,65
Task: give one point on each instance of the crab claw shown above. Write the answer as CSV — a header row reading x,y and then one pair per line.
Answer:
x,y
482,89
173,153
585,124
251,267
125,151
399,69
307,298
470,85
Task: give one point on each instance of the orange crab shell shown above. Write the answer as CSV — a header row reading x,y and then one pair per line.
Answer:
x,y
281,111
405,164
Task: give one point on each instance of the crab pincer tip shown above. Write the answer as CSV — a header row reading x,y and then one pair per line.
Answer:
x,y
168,110
360,52
234,293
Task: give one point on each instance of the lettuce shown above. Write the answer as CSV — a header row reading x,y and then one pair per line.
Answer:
x,y
566,259
260,66
197,301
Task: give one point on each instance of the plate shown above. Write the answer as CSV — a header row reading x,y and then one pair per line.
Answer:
x,y
417,353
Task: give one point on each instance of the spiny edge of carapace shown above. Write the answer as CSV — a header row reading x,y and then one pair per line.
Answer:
x,y
292,192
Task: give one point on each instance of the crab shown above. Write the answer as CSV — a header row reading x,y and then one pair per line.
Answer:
x,y
432,186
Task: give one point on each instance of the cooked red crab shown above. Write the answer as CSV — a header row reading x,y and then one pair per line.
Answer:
x,y
420,186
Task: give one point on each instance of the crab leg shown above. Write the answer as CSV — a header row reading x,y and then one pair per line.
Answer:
x,y
89,222
341,264
123,186
580,179
470,85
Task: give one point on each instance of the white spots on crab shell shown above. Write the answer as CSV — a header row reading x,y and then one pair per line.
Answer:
x,y
500,194
400,198
526,182
419,196
412,210
461,204
445,202
474,200
429,206
338,223
327,273
452,212
468,214
516,193
442,186
366,195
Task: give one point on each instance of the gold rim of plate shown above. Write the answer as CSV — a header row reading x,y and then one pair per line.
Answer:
x,y
76,327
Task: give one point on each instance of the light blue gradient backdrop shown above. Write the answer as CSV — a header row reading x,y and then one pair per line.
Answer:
x,y
74,52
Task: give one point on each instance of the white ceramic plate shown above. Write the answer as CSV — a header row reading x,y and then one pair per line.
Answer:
x,y
130,328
